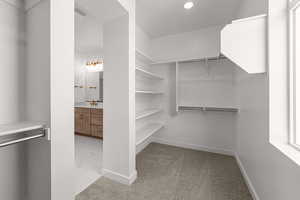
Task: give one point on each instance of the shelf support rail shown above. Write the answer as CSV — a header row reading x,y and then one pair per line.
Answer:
x,y
41,132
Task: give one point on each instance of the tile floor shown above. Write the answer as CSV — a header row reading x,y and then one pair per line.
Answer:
x,y
88,160
171,173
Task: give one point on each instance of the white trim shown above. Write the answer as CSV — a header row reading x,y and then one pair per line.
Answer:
x,y
119,177
292,64
247,179
288,150
193,146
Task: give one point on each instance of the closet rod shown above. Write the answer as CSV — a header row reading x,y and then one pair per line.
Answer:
x,y
41,133
221,57
190,108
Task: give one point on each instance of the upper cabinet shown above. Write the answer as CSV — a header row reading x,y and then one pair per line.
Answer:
x,y
244,42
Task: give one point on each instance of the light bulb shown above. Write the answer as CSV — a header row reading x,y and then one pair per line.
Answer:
x,y
188,5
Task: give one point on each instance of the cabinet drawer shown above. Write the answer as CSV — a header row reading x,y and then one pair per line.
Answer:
x,y
82,110
96,121
97,131
97,112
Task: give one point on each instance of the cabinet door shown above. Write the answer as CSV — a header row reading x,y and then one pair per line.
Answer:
x,y
82,121
97,123
97,131
96,120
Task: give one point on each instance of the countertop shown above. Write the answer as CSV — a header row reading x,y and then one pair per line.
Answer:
x,y
88,105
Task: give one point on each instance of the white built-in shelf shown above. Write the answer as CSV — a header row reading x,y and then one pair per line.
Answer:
x,y
143,57
191,60
21,127
202,108
147,131
244,42
148,92
206,80
147,113
148,74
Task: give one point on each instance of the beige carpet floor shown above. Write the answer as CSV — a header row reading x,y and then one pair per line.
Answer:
x,y
171,173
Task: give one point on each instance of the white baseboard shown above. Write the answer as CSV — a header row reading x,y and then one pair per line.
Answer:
x,y
193,146
143,145
119,177
247,179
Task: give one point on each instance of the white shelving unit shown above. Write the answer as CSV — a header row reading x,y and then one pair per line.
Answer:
x,y
149,94
143,57
147,113
205,85
250,35
147,131
147,74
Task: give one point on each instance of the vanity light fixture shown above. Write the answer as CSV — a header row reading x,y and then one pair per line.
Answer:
x,y
188,5
95,66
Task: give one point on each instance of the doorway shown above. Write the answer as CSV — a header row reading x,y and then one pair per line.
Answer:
x,y
91,18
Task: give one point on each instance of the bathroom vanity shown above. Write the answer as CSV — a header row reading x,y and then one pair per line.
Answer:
x,y
89,120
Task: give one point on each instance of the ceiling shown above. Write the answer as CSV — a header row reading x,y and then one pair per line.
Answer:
x,y
100,10
165,17
89,26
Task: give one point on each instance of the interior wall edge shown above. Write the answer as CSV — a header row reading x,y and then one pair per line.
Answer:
x,y
210,149
246,177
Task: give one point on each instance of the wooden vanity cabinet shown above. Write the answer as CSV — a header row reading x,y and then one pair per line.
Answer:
x,y
89,122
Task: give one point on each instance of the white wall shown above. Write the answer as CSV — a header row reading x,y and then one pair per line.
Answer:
x,y
250,8
62,100
197,44
88,34
273,175
199,86
119,143
142,41
12,63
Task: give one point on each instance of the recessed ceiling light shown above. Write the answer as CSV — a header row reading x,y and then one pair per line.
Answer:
x,y
188,5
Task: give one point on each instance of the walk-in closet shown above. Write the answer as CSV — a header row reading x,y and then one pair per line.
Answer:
x,y
187,84
149,99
